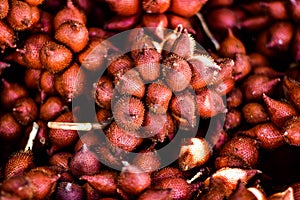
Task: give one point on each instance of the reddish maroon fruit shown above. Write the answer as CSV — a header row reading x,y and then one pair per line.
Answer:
x,y
25,110
10,129
84,162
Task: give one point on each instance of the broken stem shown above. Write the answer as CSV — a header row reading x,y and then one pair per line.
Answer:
x,y
78,126
32,135
207,31
194,177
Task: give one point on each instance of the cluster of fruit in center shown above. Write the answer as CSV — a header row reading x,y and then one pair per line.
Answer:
x,y
159,87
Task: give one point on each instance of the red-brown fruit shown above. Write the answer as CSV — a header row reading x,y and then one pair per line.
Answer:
x,y
158,97
31,78
242,147
45,23
84,162
155,126
178,186
156,23
120,138
216,3
62,138
184,45
107,156
177,73
267,134
279,111
186,8
124,8
70,83
220,19
291,90
68,190
133,180
90,192
233,119
104,91
128,113
69,12
241,192
147,63
61,159
183,108
257,59
296,190
156,6
52,108
209,103
55,57
42,183
4,8
203,69
281,34
34,2
216,190
120,65
256,85
89,139
294,8
18,186
231,46
226,71
94,55
230,177
254,113
7,36
234,98
229,161
174,20
225,86
46,83
10,93
121,23
291,131
268,71
10,129
242,66
147,161
130,83
18,164
158,194
262,47
25,110
166,172
277,9
73,34
22,16
103,115
31,52
104,182
137,40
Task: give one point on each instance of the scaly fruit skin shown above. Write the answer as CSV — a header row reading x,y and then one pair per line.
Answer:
x,y
73,34
163,107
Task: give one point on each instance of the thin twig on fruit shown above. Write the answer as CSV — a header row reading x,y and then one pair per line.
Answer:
x,y
207,31
78,126
32,135
194,177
